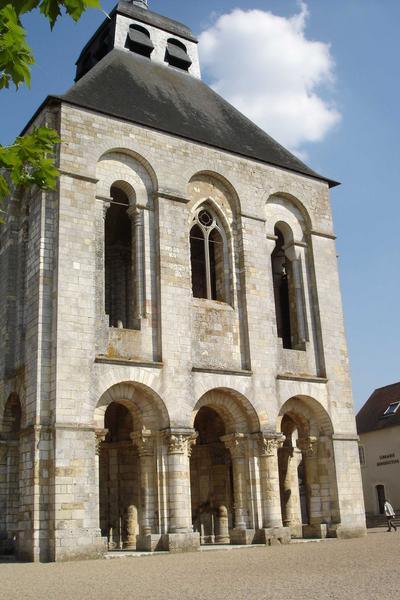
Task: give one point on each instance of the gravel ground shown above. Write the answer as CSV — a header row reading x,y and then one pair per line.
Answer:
x,y
365,569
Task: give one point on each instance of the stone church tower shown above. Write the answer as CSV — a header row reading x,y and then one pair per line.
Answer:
x,y
173,363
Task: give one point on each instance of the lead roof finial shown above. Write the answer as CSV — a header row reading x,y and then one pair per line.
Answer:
x,y
141,3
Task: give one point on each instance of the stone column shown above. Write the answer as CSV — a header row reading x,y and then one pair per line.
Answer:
x,y
102,206
269,474
136,216
289,461
144,441
179,446
100,436
309,449
295,253
237,444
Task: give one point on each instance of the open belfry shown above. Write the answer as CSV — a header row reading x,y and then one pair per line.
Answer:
x,y
173,362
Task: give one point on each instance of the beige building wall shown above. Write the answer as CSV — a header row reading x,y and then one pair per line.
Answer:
x,y
381,466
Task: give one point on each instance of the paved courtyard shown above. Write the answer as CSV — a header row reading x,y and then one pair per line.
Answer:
x,y
346,569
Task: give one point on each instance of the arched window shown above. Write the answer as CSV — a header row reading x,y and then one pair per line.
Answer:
x,y
290,310
118,262
280,274
139,41
209,261
176,55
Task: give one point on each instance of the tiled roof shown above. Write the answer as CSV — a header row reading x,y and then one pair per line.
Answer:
x,y
371,416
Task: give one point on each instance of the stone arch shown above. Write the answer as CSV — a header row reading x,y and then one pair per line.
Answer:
x,y
146,407
134,156
235,409
292,205
209,184
130,170
310,416
286,231
127,189
13,410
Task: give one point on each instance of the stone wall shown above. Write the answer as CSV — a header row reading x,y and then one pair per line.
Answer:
x,y
183,348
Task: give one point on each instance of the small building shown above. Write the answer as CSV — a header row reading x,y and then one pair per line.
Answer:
x,y
173,361
378,425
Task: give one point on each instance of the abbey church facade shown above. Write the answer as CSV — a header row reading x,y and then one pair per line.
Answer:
x,y
173,362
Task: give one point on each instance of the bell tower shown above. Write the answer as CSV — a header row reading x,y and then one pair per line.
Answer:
x,y
133,28
141,3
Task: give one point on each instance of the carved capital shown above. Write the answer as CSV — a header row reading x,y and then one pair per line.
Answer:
x,y
144,441
100,436
308,445
268,445
180,443
236,444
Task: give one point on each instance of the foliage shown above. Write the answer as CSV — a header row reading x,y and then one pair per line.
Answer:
x,y
29,160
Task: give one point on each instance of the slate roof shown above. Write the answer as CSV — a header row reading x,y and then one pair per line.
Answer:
x,y
133,88
370,417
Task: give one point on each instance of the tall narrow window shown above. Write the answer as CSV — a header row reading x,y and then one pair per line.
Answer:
x,y
280,267
208,253
198,256
118,262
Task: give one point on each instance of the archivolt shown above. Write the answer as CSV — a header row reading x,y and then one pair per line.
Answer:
x,y
235,409
146,407
308,414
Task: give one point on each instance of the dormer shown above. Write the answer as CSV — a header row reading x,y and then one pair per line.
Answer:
x,y
133,28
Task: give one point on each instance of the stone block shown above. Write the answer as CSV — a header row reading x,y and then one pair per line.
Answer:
x,y
181,542
242,536
272,536
316,531
150,542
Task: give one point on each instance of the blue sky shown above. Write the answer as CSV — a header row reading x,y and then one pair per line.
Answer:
x,y
358,81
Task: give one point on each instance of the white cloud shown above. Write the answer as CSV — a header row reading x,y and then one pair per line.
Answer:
x,y
264,65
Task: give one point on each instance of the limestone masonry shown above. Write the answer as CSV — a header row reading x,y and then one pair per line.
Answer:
x,y
173,362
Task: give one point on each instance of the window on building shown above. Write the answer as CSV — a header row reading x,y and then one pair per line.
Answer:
x,y
208,255
280,267
289,297
391,409
118,262
361,453
177,56
139,41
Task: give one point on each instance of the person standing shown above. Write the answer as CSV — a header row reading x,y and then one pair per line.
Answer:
x,y
389,512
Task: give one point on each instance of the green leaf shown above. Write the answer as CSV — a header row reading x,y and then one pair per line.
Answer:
x,y
15,54
30,161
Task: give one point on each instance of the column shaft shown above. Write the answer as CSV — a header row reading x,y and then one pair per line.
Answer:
x,y
269,475
180,509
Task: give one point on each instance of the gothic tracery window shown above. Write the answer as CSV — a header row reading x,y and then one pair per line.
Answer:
x,y
208,253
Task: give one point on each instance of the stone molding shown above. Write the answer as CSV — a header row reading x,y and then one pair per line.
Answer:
x,y
268,445
180,442
79,176
99,439
144,441
308,445
236,444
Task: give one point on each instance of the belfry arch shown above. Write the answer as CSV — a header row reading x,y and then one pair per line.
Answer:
x,y
222,509
307,476
129,418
